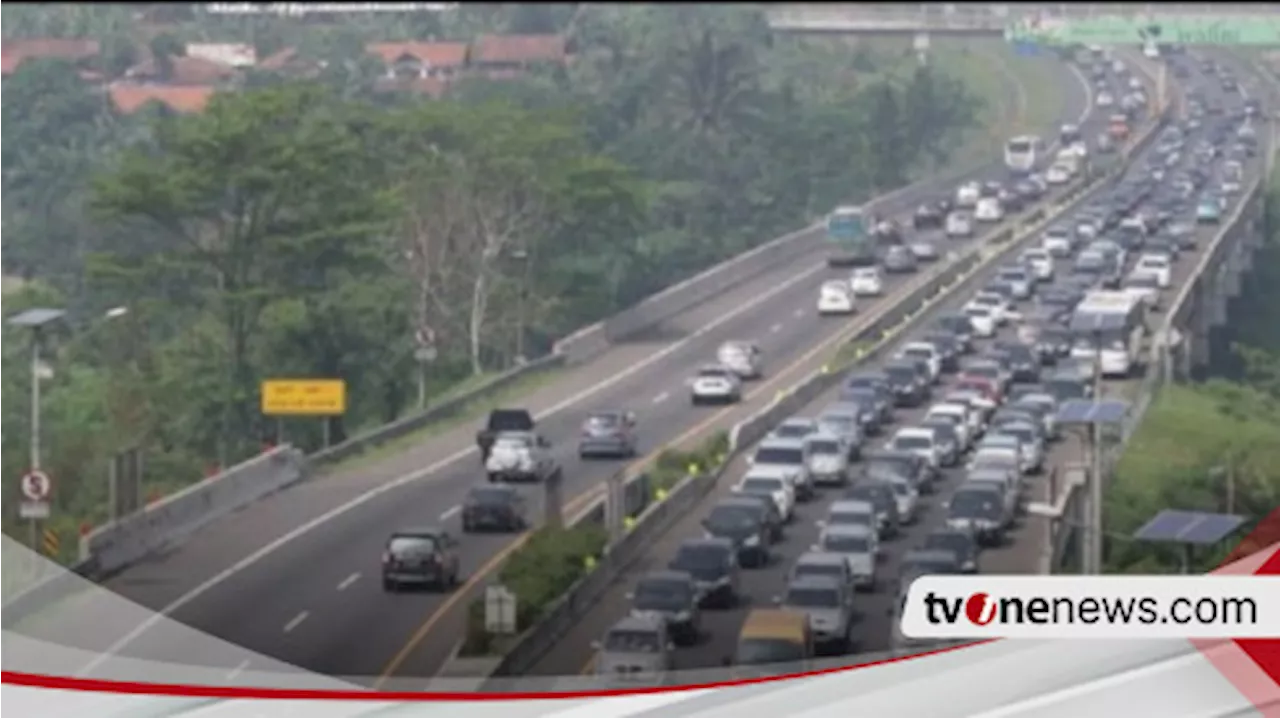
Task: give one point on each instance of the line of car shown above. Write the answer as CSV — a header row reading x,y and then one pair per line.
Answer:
x,y
998,410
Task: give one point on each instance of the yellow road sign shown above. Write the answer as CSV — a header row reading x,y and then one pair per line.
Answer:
x,y
51,544
304,397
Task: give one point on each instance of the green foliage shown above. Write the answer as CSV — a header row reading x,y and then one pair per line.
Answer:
x,y
673,465
307,229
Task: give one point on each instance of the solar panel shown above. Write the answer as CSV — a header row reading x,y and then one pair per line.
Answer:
x,y
1194,527
1083,411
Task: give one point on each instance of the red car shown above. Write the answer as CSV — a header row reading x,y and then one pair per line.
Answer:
x,y
985,386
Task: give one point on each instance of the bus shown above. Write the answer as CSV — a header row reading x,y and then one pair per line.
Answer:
x,y
1109,328
852,245
1021,154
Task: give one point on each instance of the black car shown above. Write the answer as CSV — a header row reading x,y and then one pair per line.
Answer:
x,y
1021,360
747,524
930,561
496,507
880,495
420,557
713,564
928,216
672,595
990,189
949,347
1064,388
958,541
958,326
873,388
905,464
904,380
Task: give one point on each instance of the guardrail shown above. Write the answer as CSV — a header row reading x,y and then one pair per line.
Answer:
x,y
1066,500
657,518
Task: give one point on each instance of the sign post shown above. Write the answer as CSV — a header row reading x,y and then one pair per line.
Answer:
x,y
325,398
36,488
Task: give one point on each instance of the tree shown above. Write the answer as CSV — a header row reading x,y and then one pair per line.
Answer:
x,y
264,195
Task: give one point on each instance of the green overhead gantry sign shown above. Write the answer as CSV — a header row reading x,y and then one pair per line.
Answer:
x,y
1253,30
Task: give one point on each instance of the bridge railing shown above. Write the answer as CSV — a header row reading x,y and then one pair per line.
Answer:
x,y
976,17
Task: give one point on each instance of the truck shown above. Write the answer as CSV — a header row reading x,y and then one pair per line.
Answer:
x,y
850,239
502,421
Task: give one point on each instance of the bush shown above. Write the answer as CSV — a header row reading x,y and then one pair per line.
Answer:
x,y
672,465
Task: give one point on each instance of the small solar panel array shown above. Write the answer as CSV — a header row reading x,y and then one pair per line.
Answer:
x,y
1084,411
1189,527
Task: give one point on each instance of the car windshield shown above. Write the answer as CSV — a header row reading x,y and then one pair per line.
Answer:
x,y
866,274
838,423
900,488
699,559
807,597
926,565
409,546
974,504
513,443
824,447
619,641
761,485
779,455
819,568
657,594
910,443
901,373
759,651
846,544
604,422
793,431
713,373
489,495
983,370
918,353
849,518
988,300
733,518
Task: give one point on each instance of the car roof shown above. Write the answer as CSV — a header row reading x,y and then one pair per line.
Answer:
x,y
707,542
856,530
666,575
850,505
797,421
778,442
412,531
812,581
821,558
644,622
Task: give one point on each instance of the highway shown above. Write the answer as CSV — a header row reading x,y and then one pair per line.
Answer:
x,y
299,580
872,633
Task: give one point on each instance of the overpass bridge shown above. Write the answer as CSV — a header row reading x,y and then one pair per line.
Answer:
x,y
975,19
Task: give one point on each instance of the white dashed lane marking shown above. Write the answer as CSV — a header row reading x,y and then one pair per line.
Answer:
x,y
661,397
346,582
451,513
297,621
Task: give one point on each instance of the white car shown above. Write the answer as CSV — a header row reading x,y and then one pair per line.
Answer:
x,y
982,320
967,194
715,384
959,225
777,488
966,423
1135,83
988,210
1040,262
926,352
1231,187
741,357
1057,242
867,282
993,302
1145,287
835,297
1104,99
919,441
1058,175
1158,265
858,545
907,498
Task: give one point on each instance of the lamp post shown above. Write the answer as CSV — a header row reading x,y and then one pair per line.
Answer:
x,y
521,255
35,320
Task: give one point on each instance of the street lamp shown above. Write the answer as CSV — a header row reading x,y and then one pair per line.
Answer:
x,y
521,255
36,320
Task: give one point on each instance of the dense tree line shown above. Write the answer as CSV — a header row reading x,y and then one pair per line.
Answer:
x,y
307,228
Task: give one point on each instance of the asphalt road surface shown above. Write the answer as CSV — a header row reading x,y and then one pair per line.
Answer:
x,y
315,600
872,633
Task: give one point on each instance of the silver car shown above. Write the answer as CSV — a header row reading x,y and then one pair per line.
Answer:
x,y
828,459
794,428
844,425
899,260
637,650
784,458
851,512
858,546
829,605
